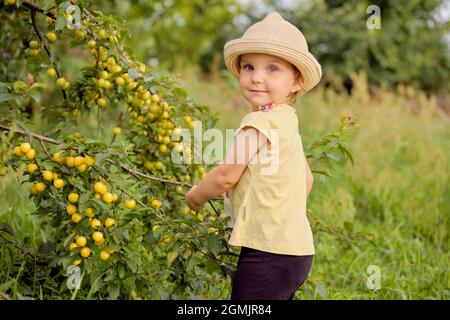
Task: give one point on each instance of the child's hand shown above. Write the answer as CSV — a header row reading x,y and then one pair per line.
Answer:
x,y
190,200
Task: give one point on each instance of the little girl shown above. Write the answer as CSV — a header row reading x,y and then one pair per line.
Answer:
x,y
272,63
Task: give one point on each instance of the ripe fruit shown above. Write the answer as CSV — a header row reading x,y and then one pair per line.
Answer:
x,y
71,209
91,44
95,224
51,36
185,211
81,241
97,236
102,33
191,125
82,168
80,34
156,203
201,170
10,2
57,157
200,217
33,190
116,69
85,252
17,151
100,188
178,188
25,147
158,165
31,154
187,119
108,197
48,175
109,222
99,243
58,183
40,187
213,230
73,197
68,16
76,217
61,82
77,262
130,204
34,44
117,131
101,102
104,255
51,72
120,81
33,52
31,167
155,98
89,161
72,246
104,75
78,161
163,148
90,212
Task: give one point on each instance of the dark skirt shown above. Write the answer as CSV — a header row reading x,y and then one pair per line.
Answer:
x,y
263,275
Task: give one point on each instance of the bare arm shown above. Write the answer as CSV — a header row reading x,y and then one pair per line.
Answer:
x,y
228,172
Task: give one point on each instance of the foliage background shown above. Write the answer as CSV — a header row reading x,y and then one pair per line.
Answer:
x,y
394,81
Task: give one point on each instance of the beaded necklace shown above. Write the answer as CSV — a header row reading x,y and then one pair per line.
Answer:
x,y
266,107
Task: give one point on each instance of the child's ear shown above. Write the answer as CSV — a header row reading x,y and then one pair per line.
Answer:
x,y
298,82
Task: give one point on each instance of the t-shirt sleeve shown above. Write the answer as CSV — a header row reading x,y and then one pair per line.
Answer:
x,y
259,121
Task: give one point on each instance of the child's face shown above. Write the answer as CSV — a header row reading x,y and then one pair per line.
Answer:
x,y
265,79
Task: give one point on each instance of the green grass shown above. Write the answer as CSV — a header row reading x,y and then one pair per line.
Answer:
x,y
397,190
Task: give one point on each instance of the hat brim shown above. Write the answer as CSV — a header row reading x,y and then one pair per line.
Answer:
x,y
304,61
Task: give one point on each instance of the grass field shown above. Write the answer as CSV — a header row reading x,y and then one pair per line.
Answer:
x,y
398,190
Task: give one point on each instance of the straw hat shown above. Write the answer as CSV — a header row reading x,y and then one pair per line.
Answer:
x,y
277,37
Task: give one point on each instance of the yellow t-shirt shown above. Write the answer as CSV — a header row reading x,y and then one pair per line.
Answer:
x,y
268,204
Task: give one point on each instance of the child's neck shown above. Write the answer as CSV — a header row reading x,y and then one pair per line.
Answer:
x,y
266,107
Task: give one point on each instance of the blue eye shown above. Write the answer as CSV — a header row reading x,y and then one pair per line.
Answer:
x,y
273,68
246,65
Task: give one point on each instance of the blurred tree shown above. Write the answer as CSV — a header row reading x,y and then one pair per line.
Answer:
x,y
409,47
172,32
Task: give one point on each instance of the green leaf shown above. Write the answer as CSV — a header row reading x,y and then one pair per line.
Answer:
x,y
348,226
60,22
113,291
24,127
171,256
322,173
132,265
346,152
100,158
7,96
333,155
213,244
7,228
